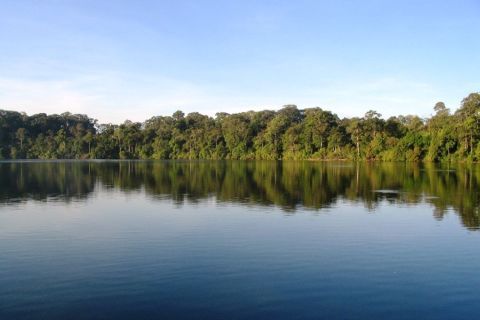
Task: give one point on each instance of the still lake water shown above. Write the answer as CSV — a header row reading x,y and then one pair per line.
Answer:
x,y
238,240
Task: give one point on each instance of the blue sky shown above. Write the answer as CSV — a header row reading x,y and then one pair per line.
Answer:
x,y
117,60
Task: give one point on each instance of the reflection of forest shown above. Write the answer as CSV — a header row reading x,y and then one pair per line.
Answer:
x,y
286,184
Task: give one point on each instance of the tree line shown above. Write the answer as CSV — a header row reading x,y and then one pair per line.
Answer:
x,y
289,133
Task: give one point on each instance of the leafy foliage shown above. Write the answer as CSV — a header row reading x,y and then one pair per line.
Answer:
x,y
289,133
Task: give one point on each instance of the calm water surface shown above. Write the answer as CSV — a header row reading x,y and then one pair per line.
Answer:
x,y
238,240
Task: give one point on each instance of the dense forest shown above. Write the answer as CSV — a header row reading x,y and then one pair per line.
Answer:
x,y
288,133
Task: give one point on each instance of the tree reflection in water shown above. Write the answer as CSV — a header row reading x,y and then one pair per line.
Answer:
x,y
311,185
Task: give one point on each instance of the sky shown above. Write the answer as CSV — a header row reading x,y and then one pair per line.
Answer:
x,y
118,60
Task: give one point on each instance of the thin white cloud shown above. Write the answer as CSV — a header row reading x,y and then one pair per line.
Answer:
x,y
42,96
106,97
111,97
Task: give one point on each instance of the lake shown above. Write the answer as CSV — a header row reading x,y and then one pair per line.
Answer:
x,y
238,240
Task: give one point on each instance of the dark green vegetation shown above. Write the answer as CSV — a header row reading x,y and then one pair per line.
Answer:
x,y
289,133
287,184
